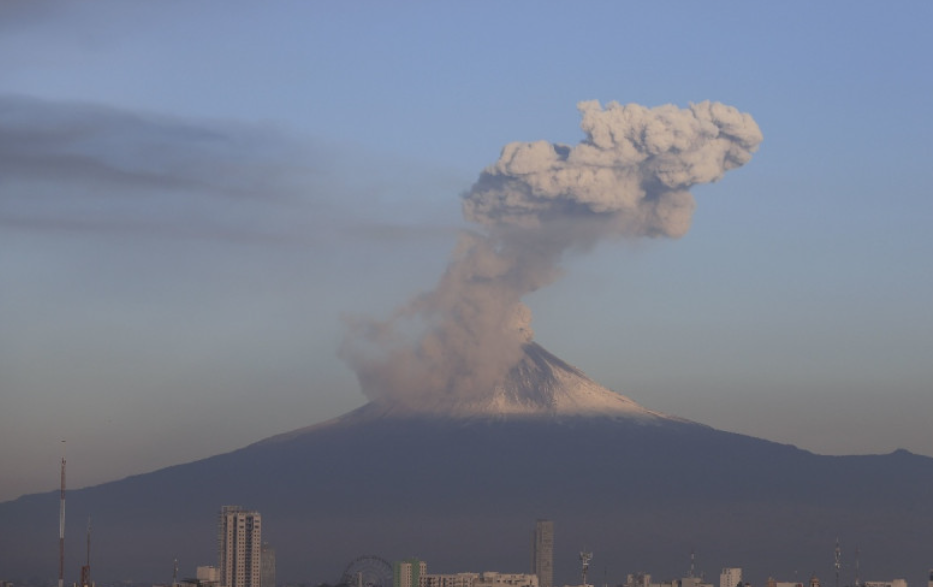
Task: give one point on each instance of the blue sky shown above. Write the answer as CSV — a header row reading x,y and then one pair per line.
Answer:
x,y
192,195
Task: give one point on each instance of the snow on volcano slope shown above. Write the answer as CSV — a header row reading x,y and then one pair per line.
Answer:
x,y
539,387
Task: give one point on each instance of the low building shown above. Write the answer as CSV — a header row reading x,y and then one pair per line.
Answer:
x,y
490,579
638,580
891,583
486,579
208,575
692,582
455,580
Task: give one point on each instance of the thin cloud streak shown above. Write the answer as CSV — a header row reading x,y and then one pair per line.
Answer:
x,y
78,167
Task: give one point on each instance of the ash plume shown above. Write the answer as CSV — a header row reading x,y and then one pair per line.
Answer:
x,y
630,177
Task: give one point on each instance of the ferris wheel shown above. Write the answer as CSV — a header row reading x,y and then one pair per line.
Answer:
x,y
367,571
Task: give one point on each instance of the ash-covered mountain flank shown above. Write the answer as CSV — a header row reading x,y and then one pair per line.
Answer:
x,y
460,483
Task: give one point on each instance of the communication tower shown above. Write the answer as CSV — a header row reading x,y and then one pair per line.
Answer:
x,y
585,558
857,580
86,569
837,564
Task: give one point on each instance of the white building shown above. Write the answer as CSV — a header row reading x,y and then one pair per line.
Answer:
x,y
730,577
490,579
409,573
487,579
208,575
644,580
457,580
891,583
239,544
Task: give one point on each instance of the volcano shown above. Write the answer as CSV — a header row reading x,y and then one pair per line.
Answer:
x,y
459,482
540,386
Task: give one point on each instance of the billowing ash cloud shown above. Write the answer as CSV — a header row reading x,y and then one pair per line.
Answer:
x,y
629,177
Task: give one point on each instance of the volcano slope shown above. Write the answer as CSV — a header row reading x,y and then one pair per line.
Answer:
x,y
460,484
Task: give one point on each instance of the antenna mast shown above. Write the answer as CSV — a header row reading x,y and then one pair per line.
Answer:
x,y
61,526
585,558
838,561
857,583
86,569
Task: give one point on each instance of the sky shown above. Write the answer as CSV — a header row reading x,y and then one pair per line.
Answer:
x,y
196,199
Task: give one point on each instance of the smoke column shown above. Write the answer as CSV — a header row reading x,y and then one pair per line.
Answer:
x,y
628,178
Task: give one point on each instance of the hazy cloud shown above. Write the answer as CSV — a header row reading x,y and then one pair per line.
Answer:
x,y
71,141
67,166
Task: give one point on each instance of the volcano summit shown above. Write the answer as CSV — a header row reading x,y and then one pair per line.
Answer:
x,y
538,386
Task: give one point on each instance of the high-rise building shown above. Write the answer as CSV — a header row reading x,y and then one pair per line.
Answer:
x,y
542,553
409,573
267,565
239,545
730,577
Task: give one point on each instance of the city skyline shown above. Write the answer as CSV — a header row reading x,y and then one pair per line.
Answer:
x,y
412,572
197,199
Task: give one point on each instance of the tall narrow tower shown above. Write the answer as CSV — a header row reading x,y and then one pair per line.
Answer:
x,y
239,545
542,553
86,569
837,560
267,575
585,558
61,526
858,581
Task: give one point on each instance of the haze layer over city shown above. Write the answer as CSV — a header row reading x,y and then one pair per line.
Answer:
x,y
210,212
